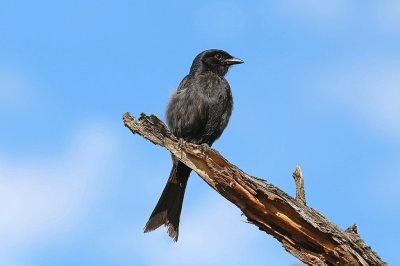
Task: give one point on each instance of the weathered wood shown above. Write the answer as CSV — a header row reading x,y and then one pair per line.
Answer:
x,y
302,231
298,179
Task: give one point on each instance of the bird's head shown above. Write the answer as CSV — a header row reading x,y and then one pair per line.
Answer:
x,y
217,61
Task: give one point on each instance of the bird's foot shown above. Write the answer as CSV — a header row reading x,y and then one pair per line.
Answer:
x,y
204,147
181,143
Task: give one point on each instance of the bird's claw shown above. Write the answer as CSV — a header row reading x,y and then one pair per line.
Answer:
x,y
204,147
181,143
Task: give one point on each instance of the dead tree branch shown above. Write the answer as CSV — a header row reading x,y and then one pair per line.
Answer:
x,y
302,231
298,179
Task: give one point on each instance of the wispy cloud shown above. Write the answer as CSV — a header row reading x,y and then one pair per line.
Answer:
x,y
42,196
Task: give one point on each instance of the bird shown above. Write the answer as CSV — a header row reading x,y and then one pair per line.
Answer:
x,y
198,112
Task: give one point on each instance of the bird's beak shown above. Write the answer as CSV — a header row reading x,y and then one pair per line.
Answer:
x,y
233,61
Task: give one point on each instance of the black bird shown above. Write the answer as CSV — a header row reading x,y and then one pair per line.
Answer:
x,y
198,112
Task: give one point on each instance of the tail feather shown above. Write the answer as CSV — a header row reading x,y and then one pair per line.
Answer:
x,y
168,209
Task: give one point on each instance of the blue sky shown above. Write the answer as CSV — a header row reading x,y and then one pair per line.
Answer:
x,y
320,87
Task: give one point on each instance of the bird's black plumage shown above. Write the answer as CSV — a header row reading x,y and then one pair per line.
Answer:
x,y
198,112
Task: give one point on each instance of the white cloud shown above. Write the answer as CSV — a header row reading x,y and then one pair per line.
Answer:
x,y
47,196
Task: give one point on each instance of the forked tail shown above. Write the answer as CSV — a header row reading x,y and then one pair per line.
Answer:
x,y
168,209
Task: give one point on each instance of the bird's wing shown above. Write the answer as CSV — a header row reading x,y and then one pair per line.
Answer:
x,y
182,86
187,112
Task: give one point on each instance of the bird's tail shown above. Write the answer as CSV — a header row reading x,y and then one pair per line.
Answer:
x,y
168,209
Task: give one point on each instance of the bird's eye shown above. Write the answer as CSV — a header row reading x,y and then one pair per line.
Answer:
x,y
218,56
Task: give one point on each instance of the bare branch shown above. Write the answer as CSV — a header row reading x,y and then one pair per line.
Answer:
x,y
298,179
302,231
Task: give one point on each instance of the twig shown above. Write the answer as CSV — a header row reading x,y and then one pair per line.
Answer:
x,y
298,179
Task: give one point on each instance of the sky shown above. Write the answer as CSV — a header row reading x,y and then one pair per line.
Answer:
x,y
320,87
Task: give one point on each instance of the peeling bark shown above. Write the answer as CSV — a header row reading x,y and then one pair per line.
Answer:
x,y
303,232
